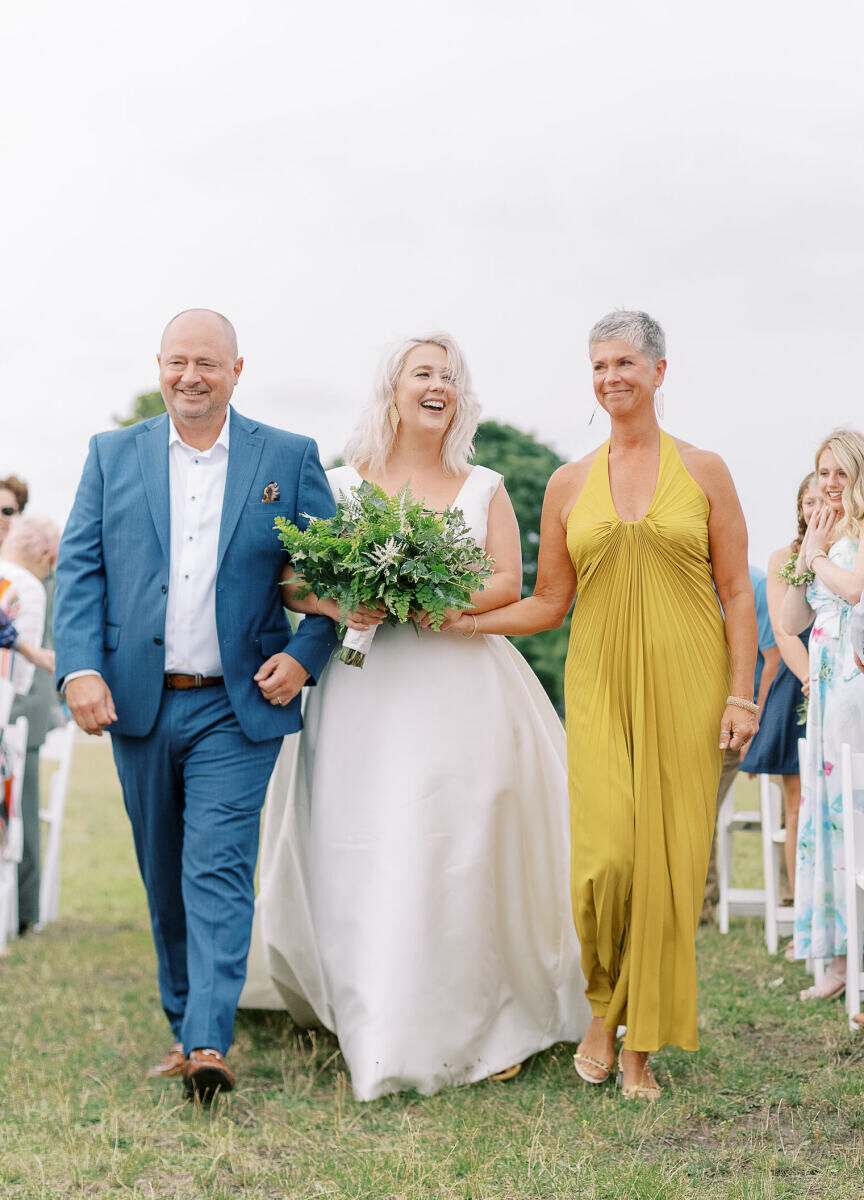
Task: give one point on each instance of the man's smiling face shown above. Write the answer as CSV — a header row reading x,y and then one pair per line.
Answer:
x,y
198,368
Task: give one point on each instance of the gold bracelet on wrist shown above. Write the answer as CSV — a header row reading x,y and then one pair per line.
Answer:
x,y
468,636
740,702
812,558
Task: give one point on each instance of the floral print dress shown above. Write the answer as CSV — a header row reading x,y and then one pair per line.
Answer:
x,y
835,715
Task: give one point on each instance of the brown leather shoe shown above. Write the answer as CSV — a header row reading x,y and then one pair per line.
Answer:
x,y
170,1066
205,1073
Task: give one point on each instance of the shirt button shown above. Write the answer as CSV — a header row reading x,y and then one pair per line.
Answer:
x,y
164,589
157,641
185,576
191,539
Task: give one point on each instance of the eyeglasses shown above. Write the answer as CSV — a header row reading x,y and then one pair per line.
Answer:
x,y
9,512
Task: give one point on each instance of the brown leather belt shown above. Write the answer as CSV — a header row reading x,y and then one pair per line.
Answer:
x,y
179,683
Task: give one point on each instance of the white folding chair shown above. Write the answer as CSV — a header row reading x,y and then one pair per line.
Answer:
x,y
15,743
58,747
851,781
7,699
773,842
745,902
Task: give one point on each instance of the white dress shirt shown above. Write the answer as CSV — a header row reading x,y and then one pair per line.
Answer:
x,y
30,621
197,488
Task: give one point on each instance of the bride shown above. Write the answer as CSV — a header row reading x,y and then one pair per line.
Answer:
x,y
414,892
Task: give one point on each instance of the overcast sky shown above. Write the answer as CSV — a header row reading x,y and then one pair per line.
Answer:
x,y
335,175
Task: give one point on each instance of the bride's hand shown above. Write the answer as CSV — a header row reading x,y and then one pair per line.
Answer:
x,y
366,618
362,618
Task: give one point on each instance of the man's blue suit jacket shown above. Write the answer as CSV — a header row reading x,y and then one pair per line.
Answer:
x,y
112,571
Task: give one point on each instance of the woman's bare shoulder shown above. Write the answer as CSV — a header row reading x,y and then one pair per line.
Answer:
x,y
779,557
573,474
707,468
565,484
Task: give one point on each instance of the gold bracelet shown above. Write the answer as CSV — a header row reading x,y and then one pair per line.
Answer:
x,y
813,557
468,636
740,702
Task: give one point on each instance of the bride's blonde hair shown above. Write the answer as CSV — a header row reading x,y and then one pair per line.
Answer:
x,y
372,440
847,446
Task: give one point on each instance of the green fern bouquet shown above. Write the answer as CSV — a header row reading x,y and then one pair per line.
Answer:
x,y
386,550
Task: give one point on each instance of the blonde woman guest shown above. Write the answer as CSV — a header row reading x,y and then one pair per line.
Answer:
x,y
414,875
774,750
833,552
638,531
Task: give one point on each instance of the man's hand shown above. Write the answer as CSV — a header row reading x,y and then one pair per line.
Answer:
x,y
281,678
91,704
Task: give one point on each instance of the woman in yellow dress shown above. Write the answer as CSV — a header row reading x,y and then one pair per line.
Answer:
x,y
656,686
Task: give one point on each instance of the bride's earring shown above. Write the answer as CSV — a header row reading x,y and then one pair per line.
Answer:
x,y
658,403
594,412
394,418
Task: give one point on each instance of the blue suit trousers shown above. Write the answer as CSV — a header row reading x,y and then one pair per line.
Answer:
x,y
194,788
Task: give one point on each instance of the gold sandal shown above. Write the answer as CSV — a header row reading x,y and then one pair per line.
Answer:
x,y
649,1091
507,1073
593,1062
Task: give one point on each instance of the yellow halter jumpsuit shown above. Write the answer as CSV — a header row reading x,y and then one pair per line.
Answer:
x,y
645,686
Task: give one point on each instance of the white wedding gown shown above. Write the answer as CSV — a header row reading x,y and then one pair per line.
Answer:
x,y
414,891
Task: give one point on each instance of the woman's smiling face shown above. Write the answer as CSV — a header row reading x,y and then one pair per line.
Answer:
x,y
832,480
425,397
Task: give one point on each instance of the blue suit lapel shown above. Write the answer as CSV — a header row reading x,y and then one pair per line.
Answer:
x,y
244,454
152,446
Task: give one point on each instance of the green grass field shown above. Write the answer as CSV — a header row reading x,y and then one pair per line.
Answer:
x,y
772,1106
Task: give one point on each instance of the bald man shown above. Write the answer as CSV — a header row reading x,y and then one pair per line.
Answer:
x,y
170,632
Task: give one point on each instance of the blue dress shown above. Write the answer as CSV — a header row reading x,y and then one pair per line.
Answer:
x,y
774,750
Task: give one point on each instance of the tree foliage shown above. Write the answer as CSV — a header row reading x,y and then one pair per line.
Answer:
x,y
144,406
526,465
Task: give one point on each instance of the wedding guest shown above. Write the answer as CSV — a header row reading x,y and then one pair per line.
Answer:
x,y
830,579
13,500
414,877
767,663
774,750
11,640
637,531
29,553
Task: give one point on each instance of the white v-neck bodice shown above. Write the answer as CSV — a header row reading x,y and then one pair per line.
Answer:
x,y
473,499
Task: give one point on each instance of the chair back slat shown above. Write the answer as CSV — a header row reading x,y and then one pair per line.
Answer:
x,y
7,699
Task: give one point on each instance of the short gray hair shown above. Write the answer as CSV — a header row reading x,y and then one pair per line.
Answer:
x,y
637,328
31,536
373,438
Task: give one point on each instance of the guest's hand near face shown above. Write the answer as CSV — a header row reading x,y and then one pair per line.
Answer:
x,y
820,529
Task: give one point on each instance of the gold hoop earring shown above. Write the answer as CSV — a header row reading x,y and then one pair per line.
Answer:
x,y
594,411
394,419
658,403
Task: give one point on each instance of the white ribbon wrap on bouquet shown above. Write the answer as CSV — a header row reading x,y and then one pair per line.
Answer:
x,y
359,639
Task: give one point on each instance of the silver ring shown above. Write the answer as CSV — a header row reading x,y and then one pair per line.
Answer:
x,y
731,732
